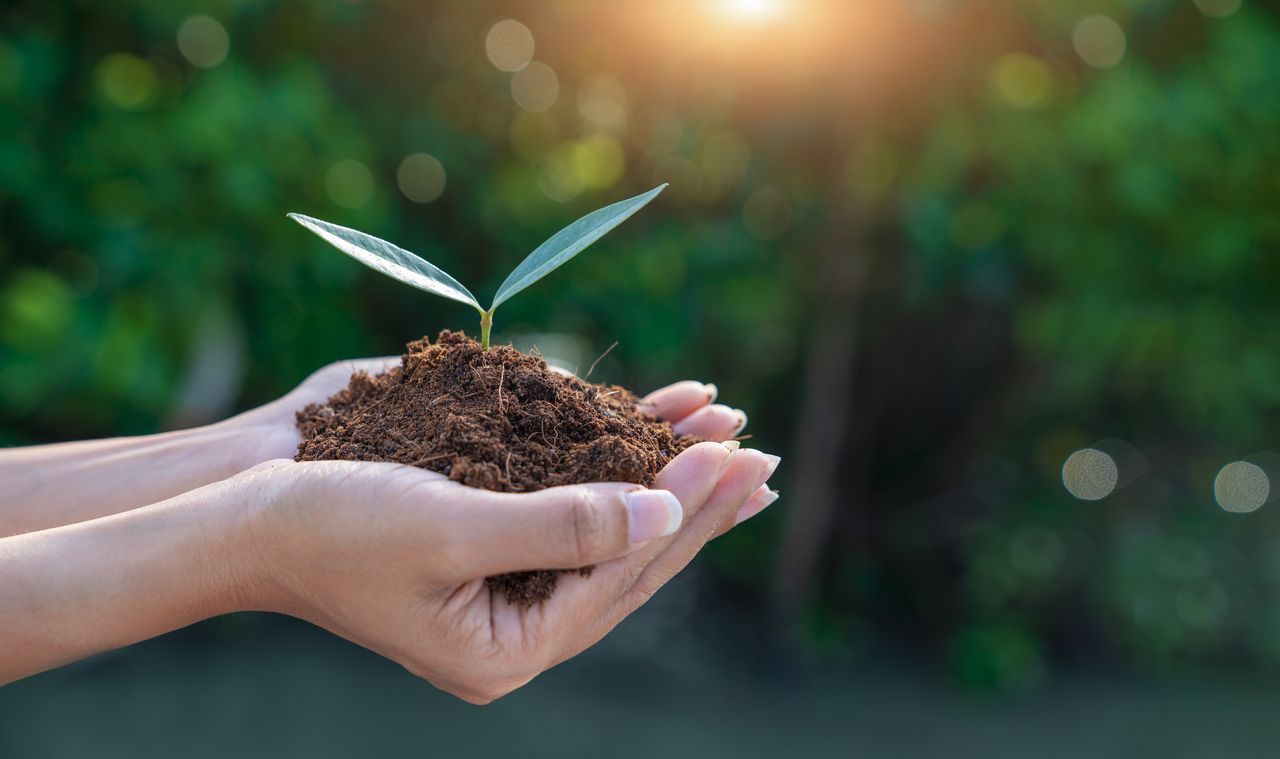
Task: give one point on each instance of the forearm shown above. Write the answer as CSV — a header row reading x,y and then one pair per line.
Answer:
x,y
73,591
54,485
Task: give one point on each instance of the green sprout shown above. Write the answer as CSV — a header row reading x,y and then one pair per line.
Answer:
x,y
418,272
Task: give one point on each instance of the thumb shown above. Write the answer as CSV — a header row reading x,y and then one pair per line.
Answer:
x,y
558,528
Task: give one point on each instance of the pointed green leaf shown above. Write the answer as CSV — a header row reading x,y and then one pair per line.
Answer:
x,y
390,260
569,242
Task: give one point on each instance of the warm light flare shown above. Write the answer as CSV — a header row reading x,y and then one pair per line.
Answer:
x,y
750,10
835,52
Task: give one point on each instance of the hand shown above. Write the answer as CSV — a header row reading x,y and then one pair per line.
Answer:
x,y
393,557
51,485
272,432
389,556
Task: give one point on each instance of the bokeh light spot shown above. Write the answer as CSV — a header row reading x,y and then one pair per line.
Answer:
x,y
1218,8
1099,41
36,307
602,103
349,183
1241,487
509,45
598,161
421,177
450,40
535,88
766,214
127,81
203,41
1090,475
1021,80
556,175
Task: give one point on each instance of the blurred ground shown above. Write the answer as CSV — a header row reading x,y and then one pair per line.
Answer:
x,y
286,689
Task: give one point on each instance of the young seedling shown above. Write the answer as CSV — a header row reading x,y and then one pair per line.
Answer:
x,y
418,272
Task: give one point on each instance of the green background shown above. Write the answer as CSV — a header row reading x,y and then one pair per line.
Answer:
x,y
931,247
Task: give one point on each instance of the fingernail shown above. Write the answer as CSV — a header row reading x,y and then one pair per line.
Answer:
x,y
751,509
732,445
652,514
771,464
742,420
713,392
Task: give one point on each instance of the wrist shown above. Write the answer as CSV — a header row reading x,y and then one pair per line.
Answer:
x,y
255,437
253,540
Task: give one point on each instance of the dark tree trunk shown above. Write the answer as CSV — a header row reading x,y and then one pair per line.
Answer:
x,y
825,408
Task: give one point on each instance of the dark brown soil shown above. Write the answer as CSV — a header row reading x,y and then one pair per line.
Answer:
x,y
497,419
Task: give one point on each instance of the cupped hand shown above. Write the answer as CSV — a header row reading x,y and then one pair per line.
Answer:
x,y
271,431
393,557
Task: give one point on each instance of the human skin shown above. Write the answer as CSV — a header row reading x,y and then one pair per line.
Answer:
x,y
390,557
53,485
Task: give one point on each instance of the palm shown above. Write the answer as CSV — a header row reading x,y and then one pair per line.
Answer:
x,y
583,609
495,630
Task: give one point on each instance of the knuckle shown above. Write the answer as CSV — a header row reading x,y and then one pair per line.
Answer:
x,y
587,526
645,588
632,574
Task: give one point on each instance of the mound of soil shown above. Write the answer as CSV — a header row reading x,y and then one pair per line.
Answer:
x,y
497,419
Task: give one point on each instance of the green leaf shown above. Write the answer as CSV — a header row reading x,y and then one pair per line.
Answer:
x,y
569,242
395,262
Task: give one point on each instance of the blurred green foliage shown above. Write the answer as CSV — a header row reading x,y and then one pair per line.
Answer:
x,y
1069,236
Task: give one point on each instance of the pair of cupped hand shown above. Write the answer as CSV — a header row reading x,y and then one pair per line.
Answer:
x,y
393,557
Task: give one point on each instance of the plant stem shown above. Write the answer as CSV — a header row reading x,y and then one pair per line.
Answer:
x,y
486,324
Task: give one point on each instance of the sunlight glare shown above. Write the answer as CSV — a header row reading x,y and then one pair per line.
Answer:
x,y
750,10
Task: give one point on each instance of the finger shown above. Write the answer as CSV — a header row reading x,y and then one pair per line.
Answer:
x,y
675,402
714,422
372,365
691,477
332,378
760,500
748,470
599,602
558,528
340,369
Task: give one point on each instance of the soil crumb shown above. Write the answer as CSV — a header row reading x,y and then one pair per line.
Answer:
x,y
497,419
